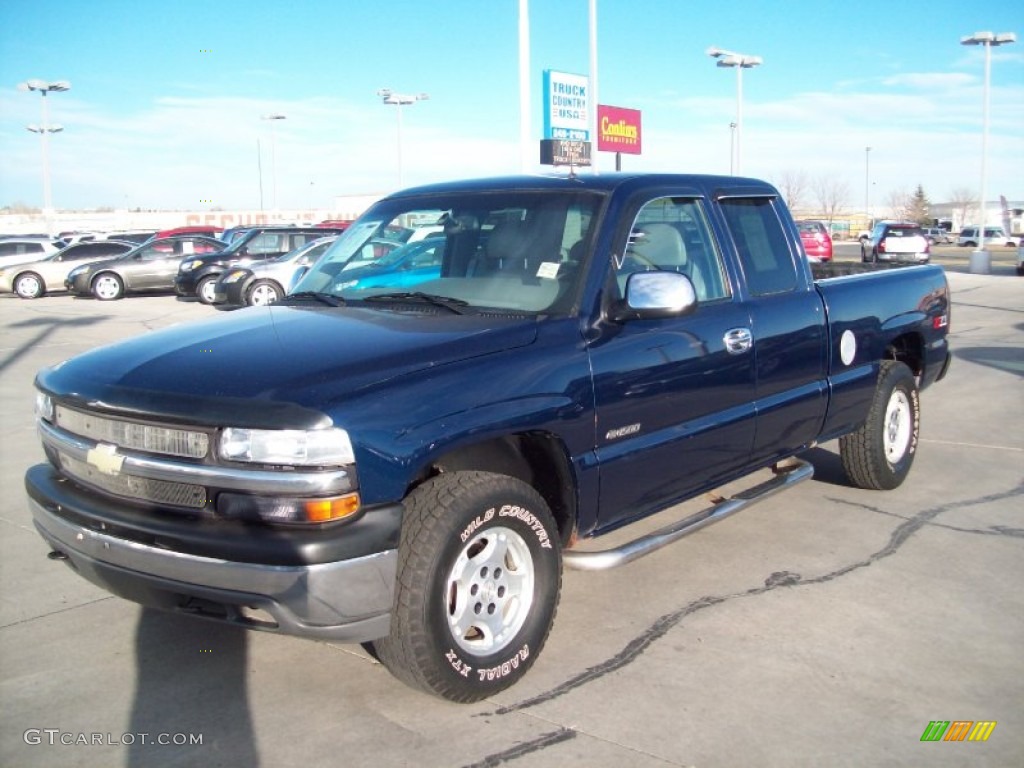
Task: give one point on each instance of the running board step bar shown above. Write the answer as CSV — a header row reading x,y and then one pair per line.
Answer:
x,y
788,474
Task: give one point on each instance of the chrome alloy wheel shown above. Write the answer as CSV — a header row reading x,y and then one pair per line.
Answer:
x,y
490,591
898,427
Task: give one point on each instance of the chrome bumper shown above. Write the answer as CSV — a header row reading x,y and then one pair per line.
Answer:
x,y
347,601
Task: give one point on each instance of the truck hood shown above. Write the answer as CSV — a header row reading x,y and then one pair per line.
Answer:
x,y
275,366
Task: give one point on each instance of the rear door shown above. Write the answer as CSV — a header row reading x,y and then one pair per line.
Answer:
x,y
787,323
674,396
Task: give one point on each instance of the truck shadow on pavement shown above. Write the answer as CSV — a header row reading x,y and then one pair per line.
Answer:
x,y
190,681
1006,359
50,325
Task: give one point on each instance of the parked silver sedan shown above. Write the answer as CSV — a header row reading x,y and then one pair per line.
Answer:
x,y
149,267
33,279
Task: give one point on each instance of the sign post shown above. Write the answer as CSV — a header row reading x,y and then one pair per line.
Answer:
x,y
618,131
566,120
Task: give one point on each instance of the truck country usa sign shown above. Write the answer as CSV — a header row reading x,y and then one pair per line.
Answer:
x,y
618,130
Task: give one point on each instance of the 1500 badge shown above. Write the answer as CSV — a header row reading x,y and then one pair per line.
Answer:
x,y
615,434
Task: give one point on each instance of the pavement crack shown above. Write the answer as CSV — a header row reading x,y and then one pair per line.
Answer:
x,y
780,579
543,741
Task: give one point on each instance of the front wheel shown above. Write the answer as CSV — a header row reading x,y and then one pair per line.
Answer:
x,y
107,287
878,456
207,288
479,575
29,286
264,292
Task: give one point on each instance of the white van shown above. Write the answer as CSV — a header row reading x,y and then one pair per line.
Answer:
x,y
994,236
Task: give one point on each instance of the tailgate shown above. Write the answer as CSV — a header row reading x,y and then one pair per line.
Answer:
x,y
912,244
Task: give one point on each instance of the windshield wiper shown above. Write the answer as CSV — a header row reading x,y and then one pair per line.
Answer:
x,y
458,306
323,298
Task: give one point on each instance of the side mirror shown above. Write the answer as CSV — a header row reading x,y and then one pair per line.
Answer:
x,y
656,294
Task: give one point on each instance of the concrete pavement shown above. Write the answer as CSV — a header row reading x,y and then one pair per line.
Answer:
x,y
825,626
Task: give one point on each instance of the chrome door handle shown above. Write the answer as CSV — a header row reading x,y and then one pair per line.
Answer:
x,y
738,340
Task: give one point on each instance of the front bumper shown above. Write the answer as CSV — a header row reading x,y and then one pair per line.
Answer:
x,y
185,283
347,600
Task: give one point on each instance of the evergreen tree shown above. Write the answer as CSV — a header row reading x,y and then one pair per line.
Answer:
x,y
919,208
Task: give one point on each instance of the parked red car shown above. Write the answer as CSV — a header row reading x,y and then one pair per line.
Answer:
x,y
198,229
816,240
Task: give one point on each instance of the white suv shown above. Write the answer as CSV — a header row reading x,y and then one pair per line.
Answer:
x,y
994,236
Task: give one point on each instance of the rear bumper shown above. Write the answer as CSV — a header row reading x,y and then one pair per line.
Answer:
x,y
913,258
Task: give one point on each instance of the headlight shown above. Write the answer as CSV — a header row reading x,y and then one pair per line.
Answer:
x,y
312,447
234,277
188,266
44,406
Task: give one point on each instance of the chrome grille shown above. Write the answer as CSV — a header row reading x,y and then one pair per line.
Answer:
x,y
139,437
139,488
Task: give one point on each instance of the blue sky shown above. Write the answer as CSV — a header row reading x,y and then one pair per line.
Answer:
x,y
154,120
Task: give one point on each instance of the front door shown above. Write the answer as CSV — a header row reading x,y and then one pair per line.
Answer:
x,y
674,396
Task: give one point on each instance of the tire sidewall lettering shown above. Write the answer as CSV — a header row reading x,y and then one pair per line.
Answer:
x,y
516,515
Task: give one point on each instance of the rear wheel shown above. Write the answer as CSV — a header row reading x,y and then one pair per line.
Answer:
x,y
107,287
29,285
264,292
206,289
878,456
479,575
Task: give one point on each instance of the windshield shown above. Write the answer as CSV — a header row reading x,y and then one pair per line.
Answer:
x,y
516,251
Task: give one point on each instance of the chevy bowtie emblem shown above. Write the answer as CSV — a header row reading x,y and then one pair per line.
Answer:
x,y
105,458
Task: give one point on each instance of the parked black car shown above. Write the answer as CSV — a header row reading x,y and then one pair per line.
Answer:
x,y
198,276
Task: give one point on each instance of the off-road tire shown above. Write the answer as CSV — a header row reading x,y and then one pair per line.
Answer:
x,y
479,552
878,456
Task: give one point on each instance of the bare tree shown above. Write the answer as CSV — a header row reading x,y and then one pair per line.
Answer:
x,y
793,186
900,203
961,201
832,194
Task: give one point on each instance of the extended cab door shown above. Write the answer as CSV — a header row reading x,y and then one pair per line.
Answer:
x,y
674,396
787,322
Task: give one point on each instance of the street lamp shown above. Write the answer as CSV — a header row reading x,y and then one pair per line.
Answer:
x,y
867,185
980,260
273,118
398,100
740,61
44,87
732,148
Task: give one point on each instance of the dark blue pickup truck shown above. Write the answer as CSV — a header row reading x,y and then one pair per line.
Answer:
x,y
412,466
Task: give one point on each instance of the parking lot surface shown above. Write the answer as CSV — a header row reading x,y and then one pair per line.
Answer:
x,y
825,626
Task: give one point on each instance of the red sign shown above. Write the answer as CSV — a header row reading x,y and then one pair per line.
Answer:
x,y
618,129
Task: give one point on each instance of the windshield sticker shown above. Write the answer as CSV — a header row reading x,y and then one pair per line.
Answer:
x,y
548,269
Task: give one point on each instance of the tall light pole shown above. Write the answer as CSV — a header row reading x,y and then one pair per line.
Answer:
x,y
732,148
526,157
867,185
981,262
273,117
740,61
398,100
44,88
